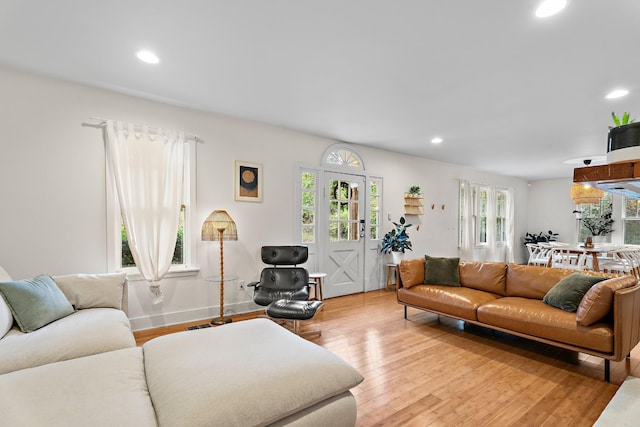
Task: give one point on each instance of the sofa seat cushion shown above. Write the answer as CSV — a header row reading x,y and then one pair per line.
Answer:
x,y
534,317
455,301
248,373
82,333
107,389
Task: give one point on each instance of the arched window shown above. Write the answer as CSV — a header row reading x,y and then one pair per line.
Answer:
x,y
342,155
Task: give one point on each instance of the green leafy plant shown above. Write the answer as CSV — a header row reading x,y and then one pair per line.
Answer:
x,y
397,240
540,237
414,190
625,120
600,225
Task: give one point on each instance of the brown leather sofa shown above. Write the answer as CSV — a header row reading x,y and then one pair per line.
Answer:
x,y
508,298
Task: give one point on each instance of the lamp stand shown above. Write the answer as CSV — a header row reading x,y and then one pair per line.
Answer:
x,y
221,320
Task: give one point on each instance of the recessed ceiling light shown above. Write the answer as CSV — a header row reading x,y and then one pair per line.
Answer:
x,y
550,7
618,93
147,56
436,140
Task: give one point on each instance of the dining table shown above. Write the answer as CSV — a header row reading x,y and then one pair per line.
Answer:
x,y
596,252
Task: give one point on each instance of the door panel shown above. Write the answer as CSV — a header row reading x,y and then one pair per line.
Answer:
x,y
344,207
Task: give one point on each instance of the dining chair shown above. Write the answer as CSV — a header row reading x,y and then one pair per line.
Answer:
x,y
568,259
538,254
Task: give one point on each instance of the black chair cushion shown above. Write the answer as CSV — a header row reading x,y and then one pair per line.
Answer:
x,y
284,255
295,310
282,283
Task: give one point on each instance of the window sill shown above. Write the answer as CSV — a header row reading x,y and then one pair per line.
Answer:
x,y
179,271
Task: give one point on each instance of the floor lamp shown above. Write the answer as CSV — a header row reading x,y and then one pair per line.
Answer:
x,y
219,226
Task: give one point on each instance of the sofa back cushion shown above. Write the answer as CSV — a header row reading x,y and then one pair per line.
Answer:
x,y
411,272
484,276
530,281
93,290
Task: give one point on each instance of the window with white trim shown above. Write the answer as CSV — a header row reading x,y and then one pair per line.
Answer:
x,y
308,208
501,216
631,221
375,208
479,200
119,255
592,210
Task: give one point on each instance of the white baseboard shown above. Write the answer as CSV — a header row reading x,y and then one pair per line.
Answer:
x,y
204,313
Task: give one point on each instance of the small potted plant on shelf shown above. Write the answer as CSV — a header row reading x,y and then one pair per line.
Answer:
x,y
397,240
414,191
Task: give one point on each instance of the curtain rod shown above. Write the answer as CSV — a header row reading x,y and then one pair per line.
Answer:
x,y
102,121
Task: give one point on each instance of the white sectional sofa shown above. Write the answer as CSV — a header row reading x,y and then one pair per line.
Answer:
x,y
99,324
84,369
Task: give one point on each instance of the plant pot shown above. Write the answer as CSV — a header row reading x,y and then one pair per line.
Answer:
x,y
396,257
624,143
598,239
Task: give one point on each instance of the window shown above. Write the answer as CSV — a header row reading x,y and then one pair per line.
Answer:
x,y
476,216
479,200
119,255
631,221
501,216
591,210
126,259
375,206
344,198
308,207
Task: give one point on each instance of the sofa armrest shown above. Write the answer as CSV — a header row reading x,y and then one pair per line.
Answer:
x,y
626,321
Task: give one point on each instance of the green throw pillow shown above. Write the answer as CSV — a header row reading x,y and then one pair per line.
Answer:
x,y
441,271
568,292
35,302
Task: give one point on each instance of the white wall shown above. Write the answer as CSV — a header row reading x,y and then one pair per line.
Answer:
x,y
551,208
52,187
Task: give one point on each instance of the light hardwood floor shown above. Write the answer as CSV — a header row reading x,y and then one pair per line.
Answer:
x,y
429,372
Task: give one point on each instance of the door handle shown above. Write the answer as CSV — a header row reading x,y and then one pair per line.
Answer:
x,y
362,225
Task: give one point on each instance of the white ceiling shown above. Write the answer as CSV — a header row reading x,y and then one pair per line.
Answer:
x,y
508,92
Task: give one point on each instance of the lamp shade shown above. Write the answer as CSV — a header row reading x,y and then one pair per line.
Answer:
x,y
583,194
215,223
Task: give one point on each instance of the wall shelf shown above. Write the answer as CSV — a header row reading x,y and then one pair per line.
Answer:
x,y
413,204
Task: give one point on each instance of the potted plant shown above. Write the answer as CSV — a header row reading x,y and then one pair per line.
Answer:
x,y
624,139
397,240
414,191
600,225
540,237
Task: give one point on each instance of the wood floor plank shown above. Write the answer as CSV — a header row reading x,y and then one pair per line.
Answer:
x,y
434,371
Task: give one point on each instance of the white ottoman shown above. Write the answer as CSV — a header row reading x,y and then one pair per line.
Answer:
x,y
249,373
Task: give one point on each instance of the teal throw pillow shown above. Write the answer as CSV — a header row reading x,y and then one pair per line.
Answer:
x,y
35,302
441,271
568,292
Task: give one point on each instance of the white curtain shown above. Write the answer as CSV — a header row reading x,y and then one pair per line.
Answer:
x,y
466,210
510,230
148,171
490,253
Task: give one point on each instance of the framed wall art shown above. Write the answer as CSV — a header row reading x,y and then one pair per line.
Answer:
x,y
248,181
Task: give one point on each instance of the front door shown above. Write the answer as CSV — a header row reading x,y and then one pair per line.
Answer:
x,y
344,233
